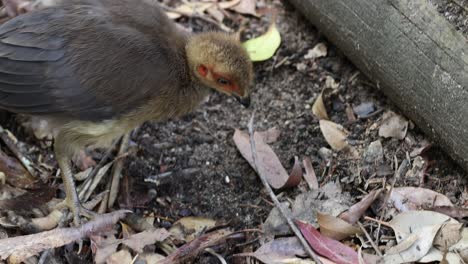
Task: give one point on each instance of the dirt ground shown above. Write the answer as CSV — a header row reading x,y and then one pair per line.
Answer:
x,y
210,178
454,11
224,186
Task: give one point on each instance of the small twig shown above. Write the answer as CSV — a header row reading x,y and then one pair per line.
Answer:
x,y
370,239
22,247
82,189
86,193
163,178
376,112
212,252
116,172
273,197
387,197
103,161
378,221
44,256
103,204
27,164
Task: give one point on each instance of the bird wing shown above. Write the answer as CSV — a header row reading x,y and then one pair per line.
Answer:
x,y
82,62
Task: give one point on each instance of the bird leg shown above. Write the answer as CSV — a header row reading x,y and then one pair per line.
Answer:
x,y
72,200
64,149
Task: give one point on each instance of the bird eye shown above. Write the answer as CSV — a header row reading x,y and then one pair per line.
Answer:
x,y
223,81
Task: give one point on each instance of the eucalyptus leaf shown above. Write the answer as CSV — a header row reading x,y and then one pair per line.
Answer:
x,y
264,47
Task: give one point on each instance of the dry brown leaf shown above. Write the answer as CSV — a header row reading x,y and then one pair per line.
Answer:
x,y
138,241
14,172
416,249
334,134
216,13
423,224
318,108
189,9
407,222
21,247
149,258
448,235
268,163
403,245
393,125
194,247
246,7
357,210
188,228
281,250
331,83
452,211
269,136
336,228
120,257
310,176
414,198
29,200
103,247
228,4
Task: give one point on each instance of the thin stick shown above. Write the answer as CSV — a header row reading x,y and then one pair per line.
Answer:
x,y
370,239
273,197
378,221
116,172
9,142
87,183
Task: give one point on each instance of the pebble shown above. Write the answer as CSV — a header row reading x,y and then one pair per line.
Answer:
x,y
325,153
374,152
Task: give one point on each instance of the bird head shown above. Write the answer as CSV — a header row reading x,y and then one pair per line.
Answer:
x,y
219,61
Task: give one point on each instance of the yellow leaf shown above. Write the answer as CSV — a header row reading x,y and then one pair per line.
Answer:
x,y
264,47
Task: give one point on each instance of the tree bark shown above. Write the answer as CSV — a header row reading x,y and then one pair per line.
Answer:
x,y
412,53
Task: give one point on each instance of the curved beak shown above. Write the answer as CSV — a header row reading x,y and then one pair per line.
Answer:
x,y
245,101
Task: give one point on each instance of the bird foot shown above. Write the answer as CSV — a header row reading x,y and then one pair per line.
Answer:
x,y
77,211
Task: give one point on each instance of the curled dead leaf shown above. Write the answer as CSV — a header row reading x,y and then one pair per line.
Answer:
x,y
268,163
310,176
336,228
334,134
228,4
318,108
357,210
188,228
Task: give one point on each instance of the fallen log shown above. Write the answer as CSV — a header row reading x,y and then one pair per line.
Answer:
x,y
413,54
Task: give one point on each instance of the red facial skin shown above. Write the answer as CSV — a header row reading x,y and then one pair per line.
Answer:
x,y
231,87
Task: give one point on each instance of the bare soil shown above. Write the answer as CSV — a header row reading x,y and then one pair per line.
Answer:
x,y
209,176
224,186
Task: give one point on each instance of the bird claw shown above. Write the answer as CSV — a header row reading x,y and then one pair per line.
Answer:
x,y
78,211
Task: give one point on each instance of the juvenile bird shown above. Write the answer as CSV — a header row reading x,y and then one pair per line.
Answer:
x,y
96,69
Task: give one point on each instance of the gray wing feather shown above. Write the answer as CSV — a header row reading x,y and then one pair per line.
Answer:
x,y
50,64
